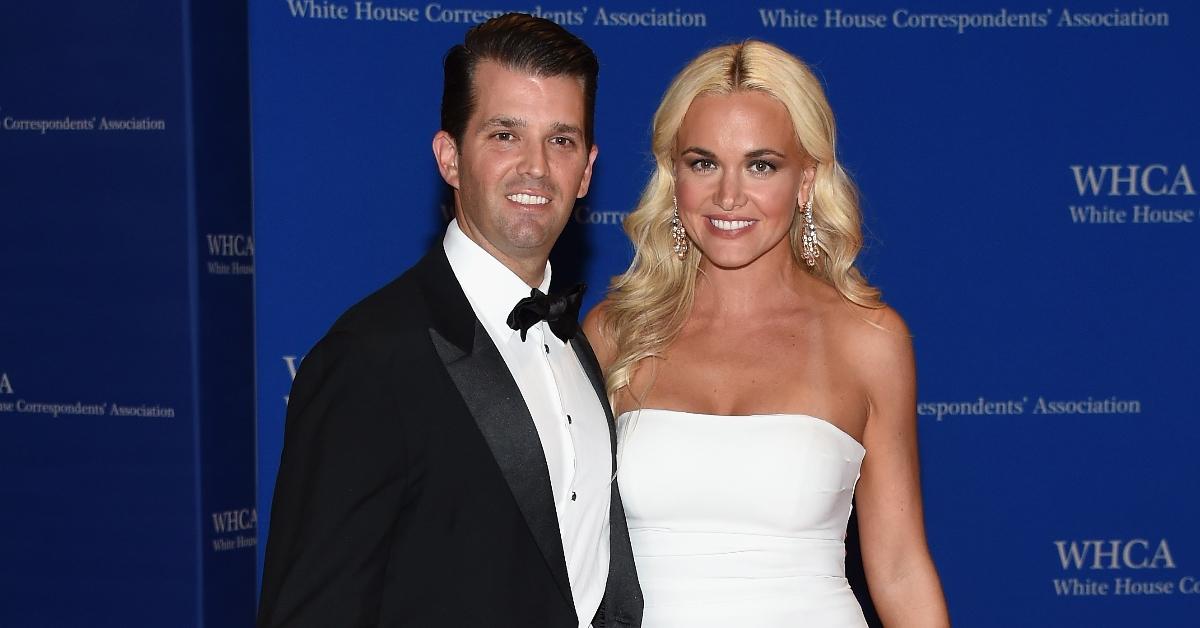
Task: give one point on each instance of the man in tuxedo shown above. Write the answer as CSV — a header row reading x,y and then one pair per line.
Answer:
x,y
449,452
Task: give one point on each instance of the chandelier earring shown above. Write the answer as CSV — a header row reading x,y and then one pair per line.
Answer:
x,y
808,241
679,239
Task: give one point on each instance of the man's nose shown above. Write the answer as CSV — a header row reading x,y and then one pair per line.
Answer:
x,y
533,160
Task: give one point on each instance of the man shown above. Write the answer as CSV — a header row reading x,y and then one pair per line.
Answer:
x,y
448,458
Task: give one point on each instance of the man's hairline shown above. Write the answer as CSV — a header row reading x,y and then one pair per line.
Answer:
x,y
589,142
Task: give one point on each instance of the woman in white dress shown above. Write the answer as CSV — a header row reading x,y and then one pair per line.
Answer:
x,y
758,379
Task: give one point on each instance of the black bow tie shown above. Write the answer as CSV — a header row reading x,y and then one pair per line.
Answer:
x,y
560,311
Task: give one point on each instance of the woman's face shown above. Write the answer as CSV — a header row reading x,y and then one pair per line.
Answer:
x,y
739,176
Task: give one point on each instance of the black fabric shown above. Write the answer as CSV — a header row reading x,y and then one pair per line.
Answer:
x,y
499,410
560,311
412,491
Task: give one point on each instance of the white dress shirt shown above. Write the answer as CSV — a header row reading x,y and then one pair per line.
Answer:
x,y
568,416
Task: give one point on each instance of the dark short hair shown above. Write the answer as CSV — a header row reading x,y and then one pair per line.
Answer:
x,y
518,42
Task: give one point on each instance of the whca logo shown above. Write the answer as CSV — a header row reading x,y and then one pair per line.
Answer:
x,y
1115,554
1133,180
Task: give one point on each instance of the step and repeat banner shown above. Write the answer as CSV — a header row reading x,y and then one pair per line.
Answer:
x,y
1029,175
126,348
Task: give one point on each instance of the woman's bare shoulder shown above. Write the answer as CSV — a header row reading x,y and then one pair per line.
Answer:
x,y
877,340
594,327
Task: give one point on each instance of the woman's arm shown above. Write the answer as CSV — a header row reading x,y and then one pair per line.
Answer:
x,y
901,575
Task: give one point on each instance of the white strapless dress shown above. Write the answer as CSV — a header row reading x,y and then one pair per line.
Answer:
x,y
739,521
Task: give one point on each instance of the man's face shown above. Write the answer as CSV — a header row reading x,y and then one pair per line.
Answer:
x,y
521,164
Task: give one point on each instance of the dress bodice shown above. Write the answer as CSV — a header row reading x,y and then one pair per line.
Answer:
x,y
731,515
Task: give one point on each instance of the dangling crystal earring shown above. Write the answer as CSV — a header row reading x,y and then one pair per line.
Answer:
x,y
679,239
809,241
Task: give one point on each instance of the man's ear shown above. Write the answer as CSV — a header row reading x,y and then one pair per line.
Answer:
x,y
586,181
445,153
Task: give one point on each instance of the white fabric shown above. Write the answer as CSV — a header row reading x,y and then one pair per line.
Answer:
x,y
739,520
555,387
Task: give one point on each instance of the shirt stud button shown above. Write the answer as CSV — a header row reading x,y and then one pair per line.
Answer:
x,y
547,348
573,496
569,419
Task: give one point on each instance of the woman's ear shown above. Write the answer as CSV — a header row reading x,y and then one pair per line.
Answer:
x,y
806,183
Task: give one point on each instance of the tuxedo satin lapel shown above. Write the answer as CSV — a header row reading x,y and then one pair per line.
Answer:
x,y
495,402
449,310
591,366
622,603
499,409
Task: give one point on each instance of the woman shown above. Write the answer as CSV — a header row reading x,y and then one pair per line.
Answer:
x,y
756,375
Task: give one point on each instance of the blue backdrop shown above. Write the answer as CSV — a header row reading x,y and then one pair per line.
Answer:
x,y
1029,180
126,350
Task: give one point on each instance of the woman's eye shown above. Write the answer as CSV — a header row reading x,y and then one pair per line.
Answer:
x,y
703,165
762,167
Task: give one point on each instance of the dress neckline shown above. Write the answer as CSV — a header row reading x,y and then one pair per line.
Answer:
x,y
819,420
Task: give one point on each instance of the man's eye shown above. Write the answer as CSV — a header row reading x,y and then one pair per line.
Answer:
x,y
504,136
561,141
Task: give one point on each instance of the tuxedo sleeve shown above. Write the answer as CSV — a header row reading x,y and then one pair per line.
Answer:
x,y
340,489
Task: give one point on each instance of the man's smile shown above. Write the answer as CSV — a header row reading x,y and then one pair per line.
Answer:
x,y
528,199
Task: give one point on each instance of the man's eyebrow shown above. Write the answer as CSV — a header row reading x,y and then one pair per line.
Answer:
x,y
569,129
504,122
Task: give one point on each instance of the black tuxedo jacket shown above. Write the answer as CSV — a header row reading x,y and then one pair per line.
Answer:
x,y
413,490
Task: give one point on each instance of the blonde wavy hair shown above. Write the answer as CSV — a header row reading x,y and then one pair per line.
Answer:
x,y
649,303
